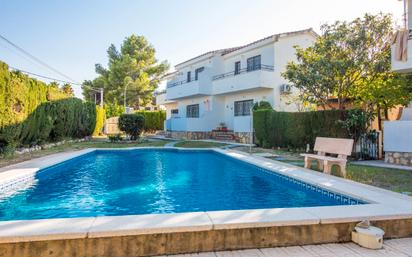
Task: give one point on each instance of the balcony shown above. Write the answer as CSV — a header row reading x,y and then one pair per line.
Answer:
x,y
399,65
183,88
261,76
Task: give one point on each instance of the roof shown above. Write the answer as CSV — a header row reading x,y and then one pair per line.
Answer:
x,y
233,49
275,37
222,51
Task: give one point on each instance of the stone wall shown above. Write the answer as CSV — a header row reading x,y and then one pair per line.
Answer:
x,y
151,244
398,158
189,135
241,137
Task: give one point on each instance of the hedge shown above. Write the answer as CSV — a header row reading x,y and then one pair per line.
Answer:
x,y
154,120
297,129
32,112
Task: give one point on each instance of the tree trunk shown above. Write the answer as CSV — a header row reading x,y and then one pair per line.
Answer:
x,y
379,118
340,104
386,114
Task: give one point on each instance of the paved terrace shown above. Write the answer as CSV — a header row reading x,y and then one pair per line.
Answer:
x,y
392,248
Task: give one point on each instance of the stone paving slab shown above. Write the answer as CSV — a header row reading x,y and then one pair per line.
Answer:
x,y
392,248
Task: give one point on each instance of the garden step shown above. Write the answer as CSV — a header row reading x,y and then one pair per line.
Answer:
x,y
224,135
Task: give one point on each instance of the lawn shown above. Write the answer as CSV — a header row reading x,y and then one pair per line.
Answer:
x,y
198,144
4,161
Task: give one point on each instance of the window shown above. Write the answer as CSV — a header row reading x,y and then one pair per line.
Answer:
x,y
197,71
175,111
192,111
147,108
242,108
253,63
237,68
188,77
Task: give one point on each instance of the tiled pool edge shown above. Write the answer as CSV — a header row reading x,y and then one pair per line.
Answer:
x,y
391,210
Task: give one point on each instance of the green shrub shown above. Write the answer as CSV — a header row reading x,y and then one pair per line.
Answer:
x,y
262,105
32,112
132,125
115,138
153,120
100,119
297,129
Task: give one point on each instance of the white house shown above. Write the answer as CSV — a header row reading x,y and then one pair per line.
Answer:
x,y
398,134
220,87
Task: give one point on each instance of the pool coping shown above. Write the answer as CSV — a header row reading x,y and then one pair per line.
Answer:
x,y
383,205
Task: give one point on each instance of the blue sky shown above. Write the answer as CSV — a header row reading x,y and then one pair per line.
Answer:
x,y
73,35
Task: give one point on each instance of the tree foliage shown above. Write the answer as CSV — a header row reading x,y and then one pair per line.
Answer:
x,y
350,61
133,68
262,105
113,109
68,89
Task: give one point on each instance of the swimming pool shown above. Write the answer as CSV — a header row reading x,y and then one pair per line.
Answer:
x,y
143,181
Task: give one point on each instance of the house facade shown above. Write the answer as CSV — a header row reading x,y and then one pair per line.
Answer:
x,y
397,138
218,89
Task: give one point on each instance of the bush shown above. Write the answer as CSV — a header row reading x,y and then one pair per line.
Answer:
x,y
132,125
115,138
100,119
262,105
32,112
297,129
154,120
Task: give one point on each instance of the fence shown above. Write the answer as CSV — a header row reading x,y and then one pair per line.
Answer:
x,y
369,146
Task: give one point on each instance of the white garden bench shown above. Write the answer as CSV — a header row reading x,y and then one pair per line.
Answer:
x,y
340,147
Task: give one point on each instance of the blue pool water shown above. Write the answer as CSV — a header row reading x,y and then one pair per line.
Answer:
x,y
107,183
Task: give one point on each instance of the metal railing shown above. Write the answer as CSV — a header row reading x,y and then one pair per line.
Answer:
x,y
244,70
169,85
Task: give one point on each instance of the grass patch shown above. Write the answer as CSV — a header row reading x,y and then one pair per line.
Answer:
x,y
198,144
391,179
5,161
386,178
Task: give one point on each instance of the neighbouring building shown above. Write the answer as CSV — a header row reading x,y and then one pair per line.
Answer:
x,y
211,95
398,134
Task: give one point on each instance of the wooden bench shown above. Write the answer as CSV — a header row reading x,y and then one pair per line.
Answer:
x,y
339,147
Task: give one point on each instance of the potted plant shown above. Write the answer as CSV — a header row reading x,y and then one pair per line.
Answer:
x,y
222,126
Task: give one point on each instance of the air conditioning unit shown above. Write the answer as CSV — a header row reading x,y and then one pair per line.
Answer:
x,y
285,89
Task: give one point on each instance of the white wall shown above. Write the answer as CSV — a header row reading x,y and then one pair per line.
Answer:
x,y
284,53
208,118
397,136
242,124
266,52
256,85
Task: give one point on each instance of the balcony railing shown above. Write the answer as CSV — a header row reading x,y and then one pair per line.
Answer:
x,y
244,70
177,83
